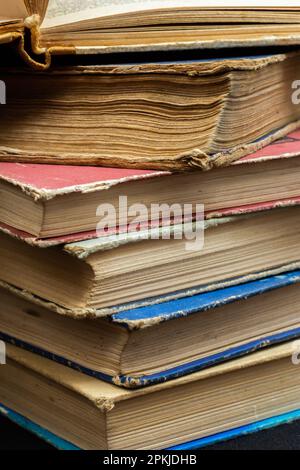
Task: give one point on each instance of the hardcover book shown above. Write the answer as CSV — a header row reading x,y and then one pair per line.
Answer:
x,y
92,414
62,444
129,267
94,27
165,116
154,344
60,202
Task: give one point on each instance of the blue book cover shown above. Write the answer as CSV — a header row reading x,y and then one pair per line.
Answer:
x,y
62,444
195,305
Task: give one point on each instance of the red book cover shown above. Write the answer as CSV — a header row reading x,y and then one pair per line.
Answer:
x,y
51,180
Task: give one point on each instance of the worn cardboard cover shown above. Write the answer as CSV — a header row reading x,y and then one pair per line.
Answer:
x,y
147,317
46,182
79,313
105,396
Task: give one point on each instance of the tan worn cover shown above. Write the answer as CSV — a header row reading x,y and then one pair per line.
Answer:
x,y
105,396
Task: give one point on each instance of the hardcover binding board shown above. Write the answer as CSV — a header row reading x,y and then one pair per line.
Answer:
x,y
151,315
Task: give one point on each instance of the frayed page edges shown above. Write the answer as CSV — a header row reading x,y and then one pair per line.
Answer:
x,y
193,160
94,313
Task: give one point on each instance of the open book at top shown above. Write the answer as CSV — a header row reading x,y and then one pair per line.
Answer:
x,y
106,26
61,12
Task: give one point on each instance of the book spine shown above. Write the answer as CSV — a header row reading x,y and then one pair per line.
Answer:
x,y
39,58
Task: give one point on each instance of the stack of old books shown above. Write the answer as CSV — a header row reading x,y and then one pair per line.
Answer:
x,y
149,223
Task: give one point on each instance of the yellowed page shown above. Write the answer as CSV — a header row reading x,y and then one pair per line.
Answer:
x,y
12,10
63,12
60,12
